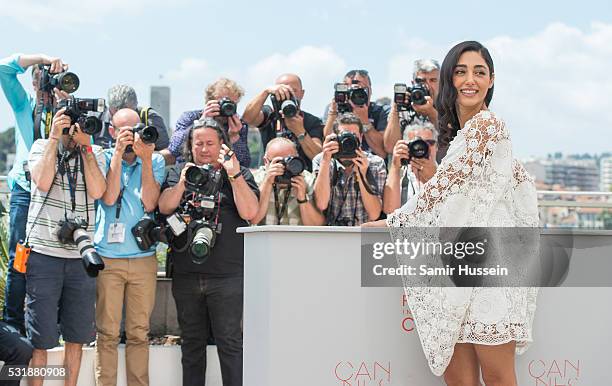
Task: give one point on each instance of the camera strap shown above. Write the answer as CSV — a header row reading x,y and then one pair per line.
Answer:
x,y
281,209
40,209
124,184
346,187
38,115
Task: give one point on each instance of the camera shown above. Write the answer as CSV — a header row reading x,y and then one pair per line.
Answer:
x,y
227,107
74,231
417,93
294,166
148,230
202,179
417,148
348,145
78,110
289,107
65,81
343,93
148,135
204,235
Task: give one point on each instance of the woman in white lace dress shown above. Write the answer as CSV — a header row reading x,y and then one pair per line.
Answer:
x,y
466,331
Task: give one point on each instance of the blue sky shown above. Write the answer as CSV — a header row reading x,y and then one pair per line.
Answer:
x,y
552,61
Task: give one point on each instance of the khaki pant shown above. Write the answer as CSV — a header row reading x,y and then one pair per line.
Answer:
x,y
133,282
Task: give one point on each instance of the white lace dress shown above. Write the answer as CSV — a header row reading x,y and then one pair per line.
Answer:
x,y
478,184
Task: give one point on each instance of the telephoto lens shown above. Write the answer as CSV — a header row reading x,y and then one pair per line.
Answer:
x,y
289,108
202,243
90,258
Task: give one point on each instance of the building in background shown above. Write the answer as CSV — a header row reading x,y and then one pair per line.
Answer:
x,y
605,174
160,102
570,173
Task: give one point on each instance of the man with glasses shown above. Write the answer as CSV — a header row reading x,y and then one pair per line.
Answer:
x,y
405,182
372,115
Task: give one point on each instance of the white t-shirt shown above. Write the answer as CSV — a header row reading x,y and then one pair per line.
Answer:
x,y
43,222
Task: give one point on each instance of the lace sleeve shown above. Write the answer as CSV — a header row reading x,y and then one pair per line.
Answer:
x,y
479,172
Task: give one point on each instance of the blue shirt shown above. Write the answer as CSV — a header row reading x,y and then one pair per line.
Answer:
x,y
131,209
22,105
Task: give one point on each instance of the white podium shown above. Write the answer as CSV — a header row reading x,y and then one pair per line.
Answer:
x,y
308,321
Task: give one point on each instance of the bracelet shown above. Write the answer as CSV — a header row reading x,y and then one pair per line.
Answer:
x,y
305,200
86,149
234,177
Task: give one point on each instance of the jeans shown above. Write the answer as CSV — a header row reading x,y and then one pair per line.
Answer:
x,y
15,281
201,301
15,350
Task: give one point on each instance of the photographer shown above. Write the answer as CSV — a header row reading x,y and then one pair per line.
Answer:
x,y
284,175
222,98
413,164
303,128
412,115
30,124
134,177
122,96
67,177
349,181
373,116
219,196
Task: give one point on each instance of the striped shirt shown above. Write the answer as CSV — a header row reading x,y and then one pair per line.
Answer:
x,y
43,220
291,215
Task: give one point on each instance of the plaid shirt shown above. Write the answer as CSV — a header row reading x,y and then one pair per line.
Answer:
x,y
345,205
181,131
292,215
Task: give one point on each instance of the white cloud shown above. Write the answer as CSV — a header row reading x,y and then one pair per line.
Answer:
x,y
65,14
319,68
552,88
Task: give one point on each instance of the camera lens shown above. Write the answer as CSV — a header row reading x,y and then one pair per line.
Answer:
x,y
359,96
149,134
289,108
294,165
68,82
201,244
90,125
91,260
196,176
418,148
227,108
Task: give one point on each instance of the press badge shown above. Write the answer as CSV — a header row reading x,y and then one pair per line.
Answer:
x,y
116,232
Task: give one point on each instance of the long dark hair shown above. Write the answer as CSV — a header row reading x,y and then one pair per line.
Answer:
x,y
448,121
208,123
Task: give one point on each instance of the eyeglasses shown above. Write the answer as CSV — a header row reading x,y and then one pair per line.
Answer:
x,y
430,142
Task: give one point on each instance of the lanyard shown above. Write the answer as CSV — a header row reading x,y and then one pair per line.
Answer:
x,y
124,185
280,208
346,193
72,176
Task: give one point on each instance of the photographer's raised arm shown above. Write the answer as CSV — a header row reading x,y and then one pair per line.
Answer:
x,y
43,170
392,132
171,197
57,65
252,113
332,114
94,178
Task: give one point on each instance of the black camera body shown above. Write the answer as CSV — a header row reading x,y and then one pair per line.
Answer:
x,y
148,135
343,93
294,166
417,148
78,110
416,94
288,107
227,107
203,180
65,81
74,231
349,143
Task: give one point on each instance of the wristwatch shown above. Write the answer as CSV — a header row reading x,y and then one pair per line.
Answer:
x,y
305,200
234,177
301,137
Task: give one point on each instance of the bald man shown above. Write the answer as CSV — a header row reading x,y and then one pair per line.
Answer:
x,y
135,174
304,129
